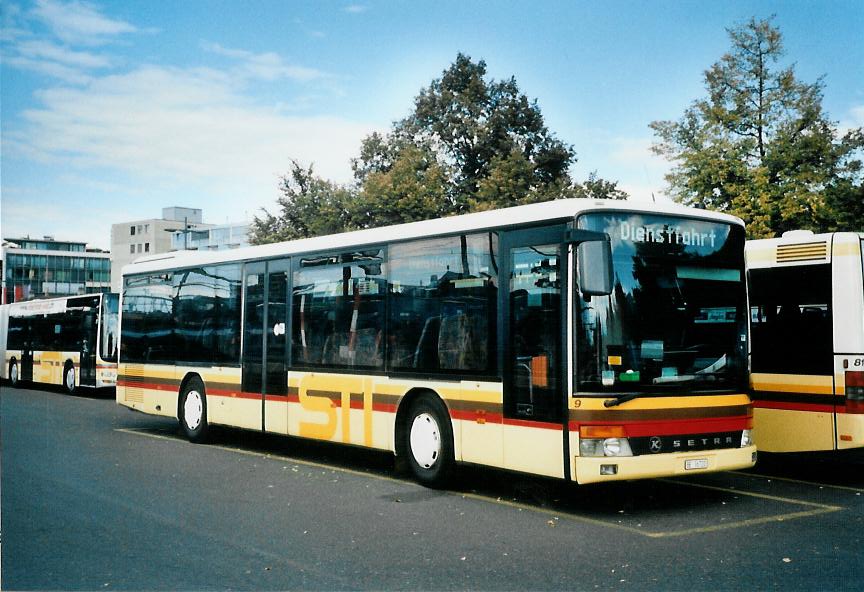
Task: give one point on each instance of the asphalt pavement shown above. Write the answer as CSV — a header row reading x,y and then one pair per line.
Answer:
x,y
97,497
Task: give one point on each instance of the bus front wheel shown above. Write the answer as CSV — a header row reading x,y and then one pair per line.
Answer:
x,y
69,379
429,442
192,411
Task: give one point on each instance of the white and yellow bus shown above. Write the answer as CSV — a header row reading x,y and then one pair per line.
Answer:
x,y
807,340
585,340
70,341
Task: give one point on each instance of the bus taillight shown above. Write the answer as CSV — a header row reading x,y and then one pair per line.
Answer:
x,y
854,391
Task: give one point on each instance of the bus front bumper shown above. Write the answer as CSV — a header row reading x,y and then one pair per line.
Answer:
x,y
622,468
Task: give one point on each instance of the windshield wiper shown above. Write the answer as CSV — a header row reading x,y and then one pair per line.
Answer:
x,y
622,399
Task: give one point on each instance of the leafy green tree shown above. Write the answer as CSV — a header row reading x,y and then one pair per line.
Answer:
x,y
413,187
310,206
759,145
470,144
489,140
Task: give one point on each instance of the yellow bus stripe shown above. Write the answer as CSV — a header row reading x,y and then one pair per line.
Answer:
x,y
793,383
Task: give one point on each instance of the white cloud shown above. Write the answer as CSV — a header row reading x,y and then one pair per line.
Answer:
x,y
854,119
48,68
355,8
80,22
124,143
11,26
180,123
56,53
264,66
639,171
72,24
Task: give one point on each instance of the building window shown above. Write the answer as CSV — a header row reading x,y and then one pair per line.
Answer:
x,y
146,247
139,229
132,248
131,231
139,247
146,228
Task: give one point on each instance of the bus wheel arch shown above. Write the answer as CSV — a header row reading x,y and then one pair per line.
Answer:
x,y
192,408
14,376
69,377
424,437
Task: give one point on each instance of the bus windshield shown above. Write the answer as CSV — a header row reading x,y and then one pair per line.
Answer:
x,y
676,316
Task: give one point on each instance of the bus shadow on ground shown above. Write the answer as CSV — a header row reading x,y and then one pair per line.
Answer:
x,y
844,468
653,507
104,393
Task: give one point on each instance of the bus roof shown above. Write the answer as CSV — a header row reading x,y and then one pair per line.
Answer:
x,y
562,209
27,308
797,247
802,236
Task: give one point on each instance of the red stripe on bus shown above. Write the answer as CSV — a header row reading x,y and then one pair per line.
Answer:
x,y
384,407
497,418
676,427
475,416
147,385
235,394
545,425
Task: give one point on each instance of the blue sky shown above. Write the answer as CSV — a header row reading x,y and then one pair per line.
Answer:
x,y
112,110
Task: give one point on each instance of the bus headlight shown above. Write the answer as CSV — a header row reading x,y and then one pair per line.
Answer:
x,y
746,438
605,447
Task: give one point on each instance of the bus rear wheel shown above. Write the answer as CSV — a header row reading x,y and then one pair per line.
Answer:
x,y
69,379
14,378
192,411
429,442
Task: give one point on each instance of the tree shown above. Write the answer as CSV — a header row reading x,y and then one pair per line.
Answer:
x,y
413,187
470,144
489,142
311,206
759,145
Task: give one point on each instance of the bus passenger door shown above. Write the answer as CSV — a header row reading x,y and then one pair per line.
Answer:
x,y
265,335
276,348
533,323
26,370
87,365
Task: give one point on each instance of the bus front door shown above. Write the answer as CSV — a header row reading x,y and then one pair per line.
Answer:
x,y
534,329
87,367
265,336
27,363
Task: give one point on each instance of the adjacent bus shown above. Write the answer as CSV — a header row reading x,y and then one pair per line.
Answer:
x,y
70,341
807,340
579,339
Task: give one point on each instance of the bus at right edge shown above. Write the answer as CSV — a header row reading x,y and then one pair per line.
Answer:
x,y
806,295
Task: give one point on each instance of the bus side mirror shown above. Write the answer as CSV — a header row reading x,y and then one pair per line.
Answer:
x,y
594,267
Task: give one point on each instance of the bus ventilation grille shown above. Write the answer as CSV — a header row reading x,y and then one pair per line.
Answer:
x,y
805,252
134,379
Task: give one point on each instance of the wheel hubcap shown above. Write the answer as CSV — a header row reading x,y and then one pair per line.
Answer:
x,y
70,379
425,440
193,409
14,374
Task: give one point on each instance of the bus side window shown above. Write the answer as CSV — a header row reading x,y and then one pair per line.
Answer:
x,y
443,303
791,321
338,311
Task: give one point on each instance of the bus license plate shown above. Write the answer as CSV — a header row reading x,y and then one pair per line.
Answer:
x,y
695,463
